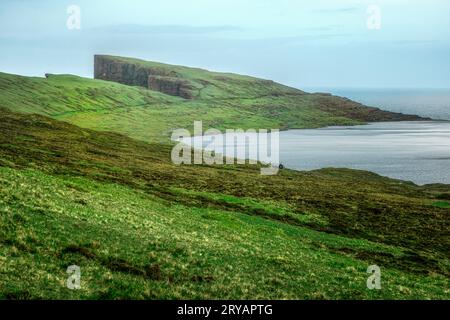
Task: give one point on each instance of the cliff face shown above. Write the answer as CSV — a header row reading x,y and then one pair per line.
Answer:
x,y
111,70
170,85
156,79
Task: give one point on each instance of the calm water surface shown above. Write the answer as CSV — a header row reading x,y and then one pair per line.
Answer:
x,y
413,151
432,103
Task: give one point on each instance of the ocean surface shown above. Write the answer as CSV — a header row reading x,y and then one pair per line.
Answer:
x,y
432,103
412,151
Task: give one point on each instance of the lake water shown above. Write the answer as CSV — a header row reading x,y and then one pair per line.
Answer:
x,y
412,151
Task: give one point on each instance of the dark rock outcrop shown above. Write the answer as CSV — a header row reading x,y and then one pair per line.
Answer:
x,y
153,78
125,73
170,85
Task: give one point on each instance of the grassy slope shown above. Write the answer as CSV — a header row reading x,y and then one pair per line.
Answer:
x,y
141,227
225,101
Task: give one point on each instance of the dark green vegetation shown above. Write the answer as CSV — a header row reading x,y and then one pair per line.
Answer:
x,y
442,204
111,201
140,227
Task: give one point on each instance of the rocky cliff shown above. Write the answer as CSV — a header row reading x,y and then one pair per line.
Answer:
x,y
153,78
171,85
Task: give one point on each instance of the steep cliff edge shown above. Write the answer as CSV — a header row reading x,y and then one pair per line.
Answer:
x,y
134,74
171,85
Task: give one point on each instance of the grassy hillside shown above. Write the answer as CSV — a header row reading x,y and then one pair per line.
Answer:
x,y
141,227
86,179
205,84
222,101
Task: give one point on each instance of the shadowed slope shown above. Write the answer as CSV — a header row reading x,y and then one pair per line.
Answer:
x,y
353,203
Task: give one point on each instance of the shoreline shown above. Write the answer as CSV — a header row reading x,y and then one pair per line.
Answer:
x,y
325,151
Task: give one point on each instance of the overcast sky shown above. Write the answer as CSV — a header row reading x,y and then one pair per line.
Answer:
x,y
314,43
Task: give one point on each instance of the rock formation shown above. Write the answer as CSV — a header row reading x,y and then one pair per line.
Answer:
x,y
153,78
170,85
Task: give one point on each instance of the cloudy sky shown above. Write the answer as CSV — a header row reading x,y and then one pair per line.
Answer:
x,y
314,43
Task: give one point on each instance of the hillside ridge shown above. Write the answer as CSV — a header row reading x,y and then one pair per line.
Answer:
x,y
221,100
186,82
193,83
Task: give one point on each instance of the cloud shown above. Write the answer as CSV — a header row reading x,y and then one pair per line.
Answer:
x,y
338,10
161,29
303,38
414,42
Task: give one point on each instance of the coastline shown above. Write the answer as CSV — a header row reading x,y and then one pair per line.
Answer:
x,y
357,138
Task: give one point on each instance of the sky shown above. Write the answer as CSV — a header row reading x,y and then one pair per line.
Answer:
x,y
314,43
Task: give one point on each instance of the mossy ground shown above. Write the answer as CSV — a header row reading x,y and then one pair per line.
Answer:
x,y
130,244
142,228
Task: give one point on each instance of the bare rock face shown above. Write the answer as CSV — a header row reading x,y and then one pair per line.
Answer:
x,y
106,69
156,79
170,85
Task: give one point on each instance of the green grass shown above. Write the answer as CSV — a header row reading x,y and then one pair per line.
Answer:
x,y
143,228
132,245
441,204
225,101
86,179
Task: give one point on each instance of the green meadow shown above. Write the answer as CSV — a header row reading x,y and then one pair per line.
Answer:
x,y
86,179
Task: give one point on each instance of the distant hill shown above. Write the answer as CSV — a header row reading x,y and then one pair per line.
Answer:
x,y
147,100
189,83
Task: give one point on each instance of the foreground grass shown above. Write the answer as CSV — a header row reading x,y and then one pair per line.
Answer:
x,y
130,244
442,204
141,227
